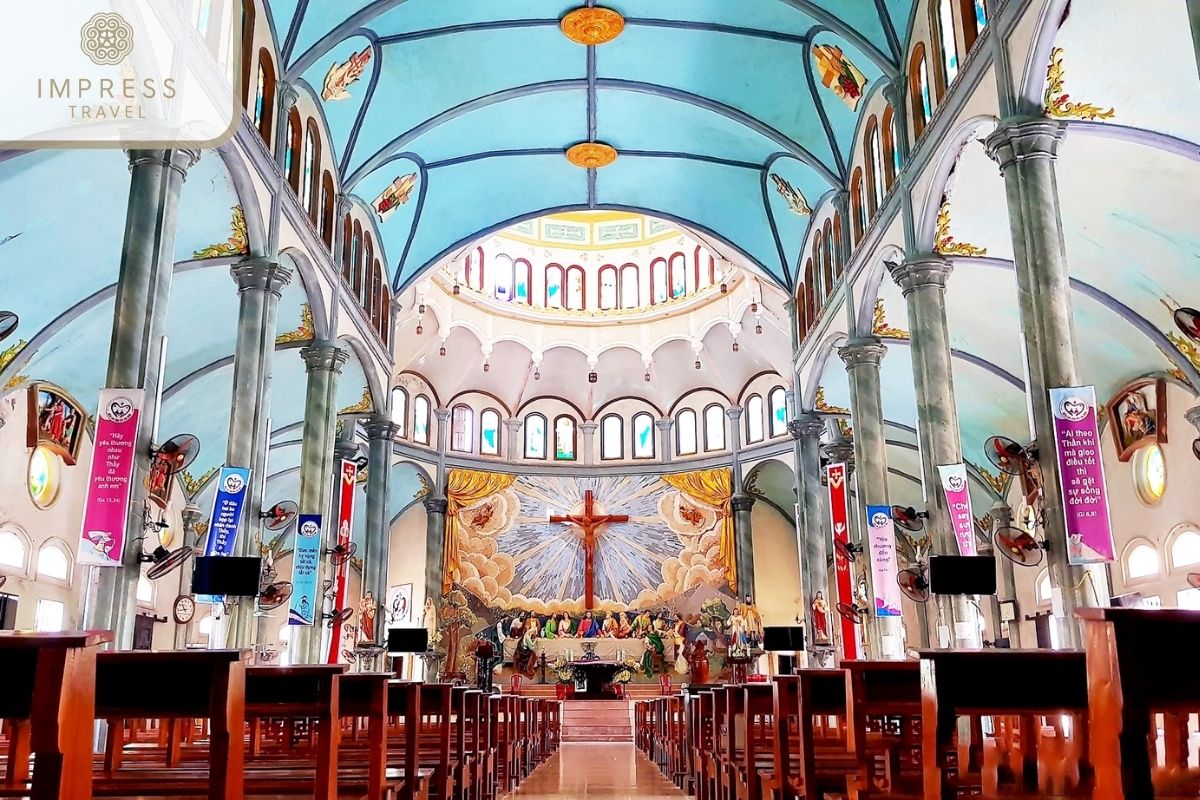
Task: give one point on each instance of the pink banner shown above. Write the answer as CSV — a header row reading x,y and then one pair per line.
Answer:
x,y
958,501
106,509
1081,471
882,540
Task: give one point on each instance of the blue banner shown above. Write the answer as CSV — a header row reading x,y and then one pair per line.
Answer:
x,y
227,511
306,557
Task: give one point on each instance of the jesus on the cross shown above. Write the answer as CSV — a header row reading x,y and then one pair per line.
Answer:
x,y
589,522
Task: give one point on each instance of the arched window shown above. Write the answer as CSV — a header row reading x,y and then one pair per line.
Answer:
x,y
145,591
264,98
564,439
205,625
777,403
1141,562
327,193
535,436
356,279
974,19
856,204
658,281
612,438
631,289
53,562
385,318
12,550
890,156
1043,591
400,410
714,428
554,286
309,180
802,307
643,435
489,432
1185,549
685,432
475,269
918,90
755,422
347,249
839,264
522,281
247,55
875,176
607,278
368,258
421,419
375,309
679,279
706,268
816,254
945,24
576,293
461,422
502,274
827,256
292,159
810,299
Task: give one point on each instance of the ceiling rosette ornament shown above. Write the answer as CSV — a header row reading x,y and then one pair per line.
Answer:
x,y
591,155
592,26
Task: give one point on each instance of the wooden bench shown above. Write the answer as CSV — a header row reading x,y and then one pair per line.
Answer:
x,y
883,700
811,748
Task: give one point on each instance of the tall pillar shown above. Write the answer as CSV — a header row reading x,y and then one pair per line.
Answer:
x,y
1026,149
134,356
587,437
807,429
381,432
839,450
190,516
435,513
516,448
323,362
742,504
923,282
666,446
260,282
1001,515
862,358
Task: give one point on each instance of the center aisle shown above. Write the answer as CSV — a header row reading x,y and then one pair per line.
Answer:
x,y
604,771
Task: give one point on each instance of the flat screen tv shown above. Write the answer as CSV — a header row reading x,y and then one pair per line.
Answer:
x,y
783,639
962,575
227,576
407,640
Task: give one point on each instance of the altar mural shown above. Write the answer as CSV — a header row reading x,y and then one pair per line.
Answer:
x,y
548,544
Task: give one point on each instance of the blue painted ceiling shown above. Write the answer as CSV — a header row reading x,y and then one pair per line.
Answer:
x,y
480,99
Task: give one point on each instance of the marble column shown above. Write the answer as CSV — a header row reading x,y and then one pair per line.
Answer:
x,y
134,357
516,447
923,282
1025,149
742,504
260,282
862,358
323,362
435,514
381,433
1192,415
190,517
666,445
807,429
587,438
1006,587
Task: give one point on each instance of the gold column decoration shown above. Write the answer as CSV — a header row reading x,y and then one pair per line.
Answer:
x,y
591,155
237,244
305,333
1059,103
592,26
944,242
821,405
362,406
880,326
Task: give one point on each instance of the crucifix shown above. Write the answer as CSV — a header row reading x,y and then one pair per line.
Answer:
x,y
589,522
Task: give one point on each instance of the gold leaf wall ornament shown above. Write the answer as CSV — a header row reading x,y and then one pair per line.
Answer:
x,y
192,485
15,381
362,406
880,326
305,333
238,243
1059,103
846,431
944,242
821,405
984,523
7,356
361,477
425,488
1187,347
592,25
998,483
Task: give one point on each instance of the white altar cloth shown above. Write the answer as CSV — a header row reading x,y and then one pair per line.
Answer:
x,y
606,649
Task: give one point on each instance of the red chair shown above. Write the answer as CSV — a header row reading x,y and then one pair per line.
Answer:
x,y
514,686
664,683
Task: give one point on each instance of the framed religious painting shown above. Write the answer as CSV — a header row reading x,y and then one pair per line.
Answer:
x,y
1137,416
55,421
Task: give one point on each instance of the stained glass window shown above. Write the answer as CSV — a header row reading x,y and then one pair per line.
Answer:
x,y
293,138
460,429
608,287
714,428
755,424
501,277
310,158
631,295
1150,474
421,419
489,432
44,477
259,98
949,46
685,432
896,157
678,275
658,280
522,271
643,436
1141,562
923,84
873,150
778,401
535,436
611,435
564,439
575,294
980,15
400,410
554,279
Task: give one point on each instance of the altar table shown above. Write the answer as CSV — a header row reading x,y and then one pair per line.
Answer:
x,y
606,649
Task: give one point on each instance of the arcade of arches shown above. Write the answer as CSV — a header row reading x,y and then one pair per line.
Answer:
x,y
742,365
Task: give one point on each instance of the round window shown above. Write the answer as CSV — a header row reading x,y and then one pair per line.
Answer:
x,y
1150,474
45,472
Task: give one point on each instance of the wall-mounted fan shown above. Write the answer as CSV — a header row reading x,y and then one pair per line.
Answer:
x,y
1188,322
8,323
847,550
909,519
274,595
280,515
1019,547
852,613
166,461
342,553
1193,580
914,584
1012,458
337,617
165,561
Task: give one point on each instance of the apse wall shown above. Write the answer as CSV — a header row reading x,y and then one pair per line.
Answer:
x,y
776,566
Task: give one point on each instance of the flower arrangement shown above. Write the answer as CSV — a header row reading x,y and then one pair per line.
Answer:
x,y
563,670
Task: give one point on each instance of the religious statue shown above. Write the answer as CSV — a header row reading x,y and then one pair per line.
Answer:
x,y
588,627
566,629
624,629
680,634
738,641
609,628
752,620
698,662
366,617
820,621
429,619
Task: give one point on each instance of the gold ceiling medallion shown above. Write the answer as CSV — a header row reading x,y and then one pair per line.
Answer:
x,y
591,155
592,25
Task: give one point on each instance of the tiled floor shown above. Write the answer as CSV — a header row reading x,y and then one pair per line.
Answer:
x,y
598,772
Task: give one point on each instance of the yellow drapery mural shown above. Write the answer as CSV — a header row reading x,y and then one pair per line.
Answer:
x,y
464,487
713,487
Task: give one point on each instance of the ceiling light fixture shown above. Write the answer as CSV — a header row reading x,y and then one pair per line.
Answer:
x,y
442,350
420,330
697,363
736,346
487,367
593,377
647,376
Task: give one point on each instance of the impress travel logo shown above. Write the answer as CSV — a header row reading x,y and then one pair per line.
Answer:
x,y
120,73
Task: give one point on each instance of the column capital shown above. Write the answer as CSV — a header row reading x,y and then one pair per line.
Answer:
x,y
435,504
841,201
588,428
288,96
742,502
664,424
323,356
345,449
1192,415
1025,139
839,449
442,414
894,91
513,424
806,426
178,159
921,272
865,352
261,274
734,413
381,427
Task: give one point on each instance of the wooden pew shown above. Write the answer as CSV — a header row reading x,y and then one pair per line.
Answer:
x,y
811,748
883,705
1140,663
437,738
755,751
1025,684
49,703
